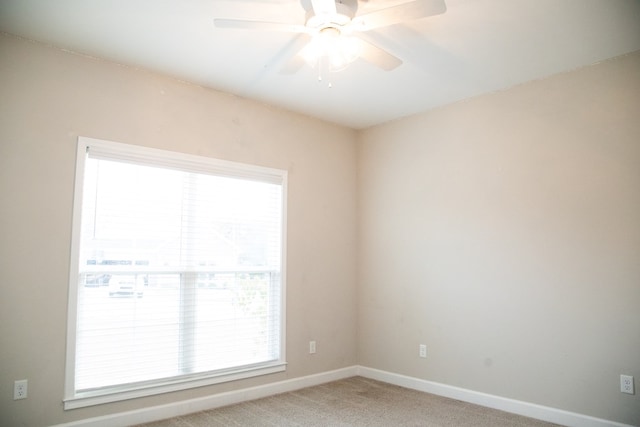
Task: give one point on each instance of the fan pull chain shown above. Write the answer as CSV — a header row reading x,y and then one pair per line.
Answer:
x,y
329,84
320,69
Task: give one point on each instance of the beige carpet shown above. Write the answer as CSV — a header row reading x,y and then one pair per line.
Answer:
x,y
353,401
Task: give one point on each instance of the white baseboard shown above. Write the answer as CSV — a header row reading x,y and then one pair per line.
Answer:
x,y
184,407
531,410
175,409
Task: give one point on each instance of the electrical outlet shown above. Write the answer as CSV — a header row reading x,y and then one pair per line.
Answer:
x,y
423,350
20,389
626,384
312,347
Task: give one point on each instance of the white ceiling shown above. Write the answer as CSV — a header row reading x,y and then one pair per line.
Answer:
x,y
477,46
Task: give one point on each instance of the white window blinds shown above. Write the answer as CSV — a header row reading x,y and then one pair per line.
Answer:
x,y
176,272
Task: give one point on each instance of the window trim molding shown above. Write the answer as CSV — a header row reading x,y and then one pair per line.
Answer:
x,y
181,161
115,394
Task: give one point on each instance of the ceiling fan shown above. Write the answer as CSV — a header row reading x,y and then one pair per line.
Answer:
x,y
331,31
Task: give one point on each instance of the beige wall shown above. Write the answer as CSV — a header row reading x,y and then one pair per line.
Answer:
x,y
504,233
48,98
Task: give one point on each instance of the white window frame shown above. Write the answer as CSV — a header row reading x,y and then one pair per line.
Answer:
x,y
181,161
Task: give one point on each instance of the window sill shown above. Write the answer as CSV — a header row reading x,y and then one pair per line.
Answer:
x,y
112,394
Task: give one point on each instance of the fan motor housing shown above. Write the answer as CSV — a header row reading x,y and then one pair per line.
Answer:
x,y
345,11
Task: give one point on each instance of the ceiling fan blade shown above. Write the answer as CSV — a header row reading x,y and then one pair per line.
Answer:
x,y
289,60
378,56
241,24
293,65
324,7
404,12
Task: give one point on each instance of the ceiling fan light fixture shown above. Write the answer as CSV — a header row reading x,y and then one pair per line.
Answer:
x,y
331,45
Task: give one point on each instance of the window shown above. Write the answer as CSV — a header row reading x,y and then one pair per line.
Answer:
x,y
176,273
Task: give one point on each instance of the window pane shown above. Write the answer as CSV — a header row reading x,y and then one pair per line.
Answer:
x,y
123,338
233,308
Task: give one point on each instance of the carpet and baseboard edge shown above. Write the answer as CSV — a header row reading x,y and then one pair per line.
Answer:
x,y
175,409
